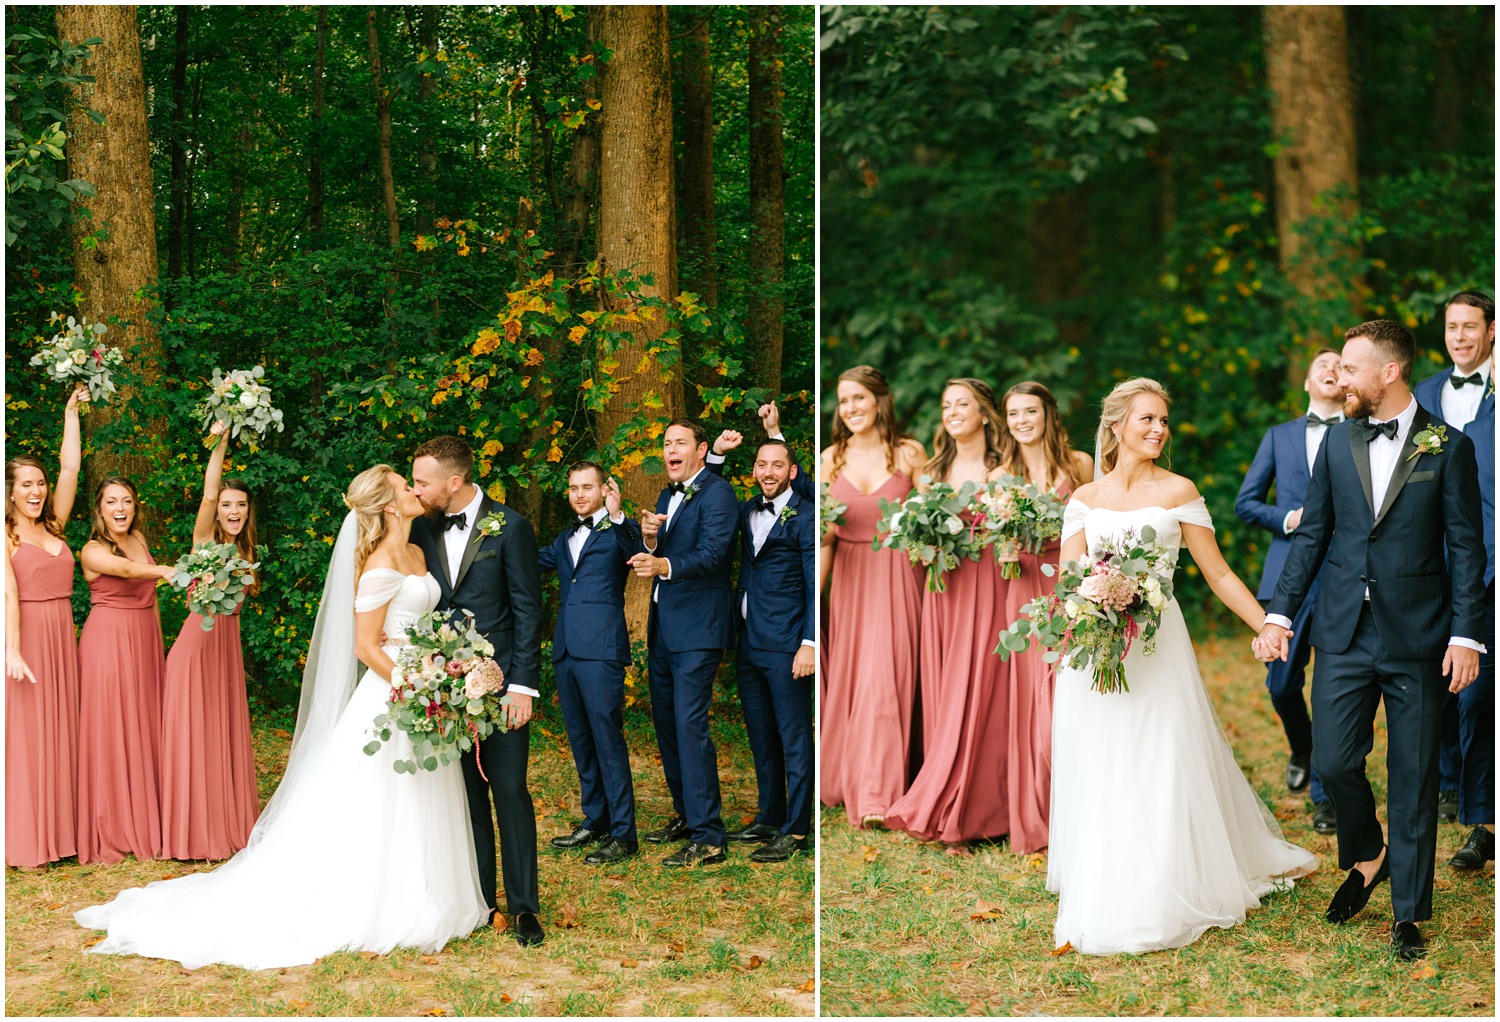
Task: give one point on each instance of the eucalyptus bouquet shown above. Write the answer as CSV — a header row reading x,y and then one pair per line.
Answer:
x,y
1102,605
75,355
831,510
215,578
239,401
1021,513
930,528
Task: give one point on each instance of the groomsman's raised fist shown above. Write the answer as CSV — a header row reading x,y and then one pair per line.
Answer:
x,y
728,441
770,418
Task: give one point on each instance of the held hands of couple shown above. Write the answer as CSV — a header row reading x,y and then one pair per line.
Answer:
x,y
1271,643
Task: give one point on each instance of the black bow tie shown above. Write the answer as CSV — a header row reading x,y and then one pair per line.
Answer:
x,y
586,523
1370,430
454,522
1313,420
1458,381
677,487
766,504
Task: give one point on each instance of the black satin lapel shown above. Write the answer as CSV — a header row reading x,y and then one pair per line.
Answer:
x,y
1359,448
433,548
472,547
1405,464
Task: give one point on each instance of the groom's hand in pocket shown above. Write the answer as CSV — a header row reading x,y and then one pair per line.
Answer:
x,y
518,710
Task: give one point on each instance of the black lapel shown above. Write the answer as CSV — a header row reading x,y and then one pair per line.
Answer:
x,y
1359,447
1405,463
434,550
777,527
475,538
593,534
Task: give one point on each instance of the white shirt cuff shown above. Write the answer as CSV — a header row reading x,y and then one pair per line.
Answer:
x,y
1478,647
523,690
1286,523
618,519
1277,619
715,459
809,642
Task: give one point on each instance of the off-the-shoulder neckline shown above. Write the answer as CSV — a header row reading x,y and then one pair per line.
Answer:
x,y
1147,507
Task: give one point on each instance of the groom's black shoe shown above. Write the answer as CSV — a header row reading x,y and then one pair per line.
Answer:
x,y
1448,806
695,854
1355,893
581,837
754,832
528,929
1325,818
612,850
1408,942
780,848
675,830
1298,771
1479,849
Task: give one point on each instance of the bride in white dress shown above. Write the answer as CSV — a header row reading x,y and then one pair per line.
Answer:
x,y
348,854
1155,833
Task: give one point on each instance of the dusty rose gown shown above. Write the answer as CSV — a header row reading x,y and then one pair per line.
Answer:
x,y
960,792
121,667
208,796
1028,774
41,720
870,657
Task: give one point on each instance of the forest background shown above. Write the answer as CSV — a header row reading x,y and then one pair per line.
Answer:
x,y
1207,195
547,229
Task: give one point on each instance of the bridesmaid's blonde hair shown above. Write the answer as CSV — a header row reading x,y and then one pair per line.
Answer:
x,y
1113,413
368,496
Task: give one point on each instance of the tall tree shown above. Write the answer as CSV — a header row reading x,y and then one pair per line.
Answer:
x,y
698,257
427,160
177,220
583,164
114,248
767,199
637,227
383,120
315,141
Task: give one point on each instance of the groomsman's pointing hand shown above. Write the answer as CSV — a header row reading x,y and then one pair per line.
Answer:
x,y
649,566
651,523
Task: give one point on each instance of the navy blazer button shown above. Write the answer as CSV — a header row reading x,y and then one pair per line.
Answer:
x,y
1363,579
1373,537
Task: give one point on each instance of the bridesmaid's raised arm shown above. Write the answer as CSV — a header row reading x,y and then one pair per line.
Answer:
x,y
213,476
70,459
15,664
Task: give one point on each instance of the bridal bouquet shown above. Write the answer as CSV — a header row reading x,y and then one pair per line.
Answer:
x,y
928,526
76,356
215,578
1102,605
1019,512
831,510
239,401
447,693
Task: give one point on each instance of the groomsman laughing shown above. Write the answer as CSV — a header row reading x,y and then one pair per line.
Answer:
x,y
689,543
590,651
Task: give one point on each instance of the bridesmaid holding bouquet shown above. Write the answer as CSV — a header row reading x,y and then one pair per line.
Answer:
x,y
960,793
121,667
1035,447
41,656
208,795
873,607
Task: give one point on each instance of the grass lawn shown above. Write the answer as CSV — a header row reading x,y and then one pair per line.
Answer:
x,y
910,930
636,939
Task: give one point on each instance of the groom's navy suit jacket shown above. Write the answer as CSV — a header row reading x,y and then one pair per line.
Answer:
x,y
591,596
1282,459
1397,550
778,584
1481,430
694,609
497,580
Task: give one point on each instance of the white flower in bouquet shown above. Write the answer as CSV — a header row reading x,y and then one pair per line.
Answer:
x,y
77,355
238,401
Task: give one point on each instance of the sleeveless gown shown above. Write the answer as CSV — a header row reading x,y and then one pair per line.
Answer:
x,y
121,667
870,660
1156,834
41,720
358,858
960,792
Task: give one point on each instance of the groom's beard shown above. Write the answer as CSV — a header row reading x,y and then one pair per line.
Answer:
x,y
1359,406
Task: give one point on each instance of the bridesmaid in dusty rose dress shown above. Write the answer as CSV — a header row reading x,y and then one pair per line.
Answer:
x,y
960,793
873,607
41,657
1035,447
208,796
120,666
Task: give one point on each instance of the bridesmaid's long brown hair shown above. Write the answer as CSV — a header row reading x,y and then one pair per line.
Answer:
x,y
945,448
245,541
100,532
873,380
1055,446
48,520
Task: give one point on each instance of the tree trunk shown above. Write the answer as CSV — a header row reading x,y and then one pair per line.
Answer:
x,y
1312,120
234,213
427,161
383,116
767,300
697,234
583,170
636,226
177,220
315,139
117,274
1058,232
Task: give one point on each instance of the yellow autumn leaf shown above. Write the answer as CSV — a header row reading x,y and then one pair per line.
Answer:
x,y
577,333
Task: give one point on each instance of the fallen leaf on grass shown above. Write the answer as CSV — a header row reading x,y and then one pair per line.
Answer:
x,y
675,949
870,853
746,819
1424,971
501,922
809,987
927,891
983,910
1036,861
297,1005
966,963
429,959
756,961
280,733
54,906
570,918
923,872
435,1011
1065,949
628,963
506,998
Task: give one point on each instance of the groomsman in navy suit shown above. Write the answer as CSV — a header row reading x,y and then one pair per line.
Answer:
x,y
776,653
590,651
1285,459
770,420
1465,397
689,543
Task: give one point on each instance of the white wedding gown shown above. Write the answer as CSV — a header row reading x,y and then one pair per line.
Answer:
x,y
1155,833
356,857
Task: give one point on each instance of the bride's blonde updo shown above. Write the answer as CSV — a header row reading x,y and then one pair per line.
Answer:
x,y
368,496
1116,408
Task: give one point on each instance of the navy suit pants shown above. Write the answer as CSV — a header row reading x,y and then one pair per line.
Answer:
x,y
682,690
778,718
1468,755
592,694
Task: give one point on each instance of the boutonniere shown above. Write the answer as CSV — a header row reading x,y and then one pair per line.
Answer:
x,y
689,492
1490,390
788,513
1429,441
491,524
604,523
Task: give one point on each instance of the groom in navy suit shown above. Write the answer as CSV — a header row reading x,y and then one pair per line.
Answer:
x,y
590,651
689,543
1285,459
1392,488
1465,397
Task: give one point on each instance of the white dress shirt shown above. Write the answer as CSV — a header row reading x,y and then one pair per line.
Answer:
x,y
581,535
672,505
455,539
1461,404
761,525
1315,436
